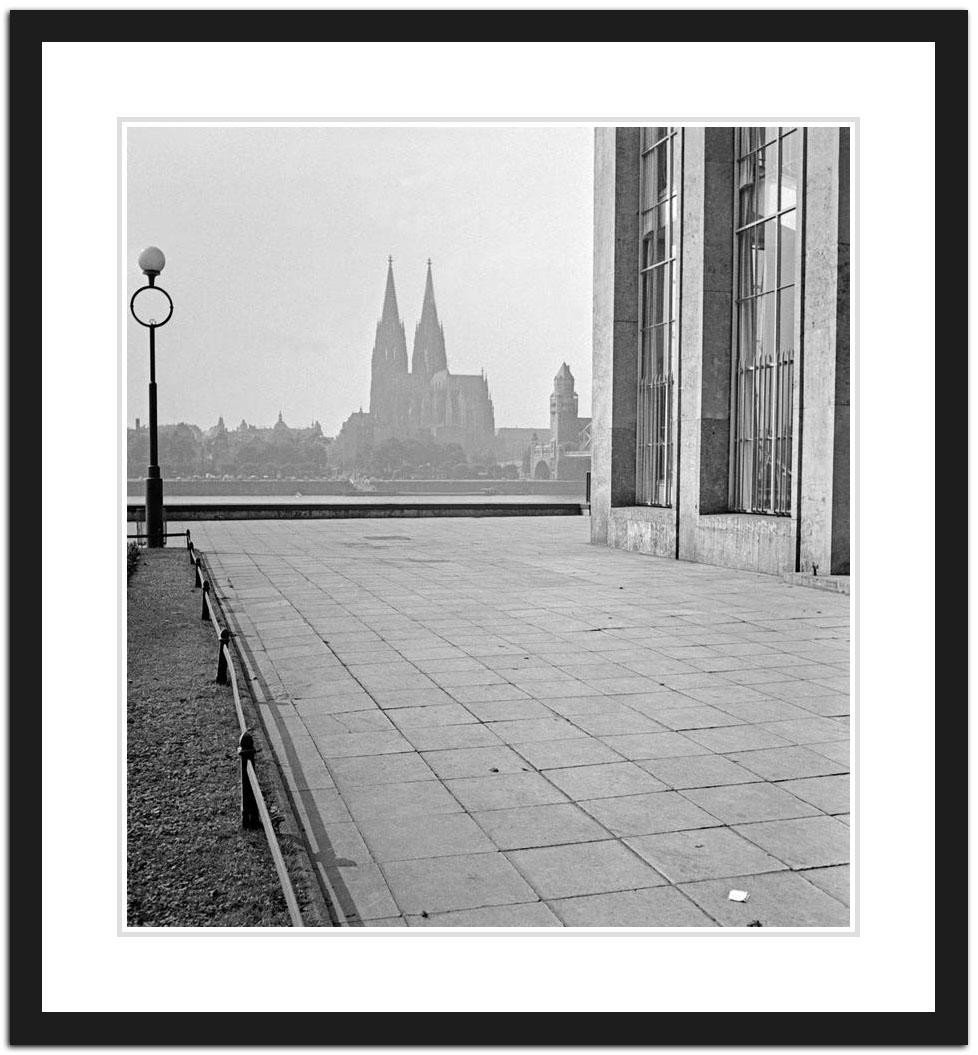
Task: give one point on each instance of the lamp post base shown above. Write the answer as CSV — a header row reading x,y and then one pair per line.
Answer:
x,y
154,512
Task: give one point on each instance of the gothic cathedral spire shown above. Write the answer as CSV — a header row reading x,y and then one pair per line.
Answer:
x,y
428,356
390,350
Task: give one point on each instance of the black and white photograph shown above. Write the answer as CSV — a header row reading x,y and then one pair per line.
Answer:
x,y
511,464
489,506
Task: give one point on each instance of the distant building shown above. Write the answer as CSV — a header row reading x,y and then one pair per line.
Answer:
x,y
721,345
566,454
190,452
427,400
355,439
511,444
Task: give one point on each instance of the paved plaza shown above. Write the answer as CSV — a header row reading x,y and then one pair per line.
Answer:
x,y
492,722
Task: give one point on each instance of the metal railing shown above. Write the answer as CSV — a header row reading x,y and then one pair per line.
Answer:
x,y
254,811
142,536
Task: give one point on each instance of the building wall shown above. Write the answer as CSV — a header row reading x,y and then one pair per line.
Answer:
x,y
699,525
615,323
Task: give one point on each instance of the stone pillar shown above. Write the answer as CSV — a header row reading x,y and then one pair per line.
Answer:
x,y
615,321
706,295
823,513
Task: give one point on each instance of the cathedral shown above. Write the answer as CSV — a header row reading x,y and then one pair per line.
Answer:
x,y
427,399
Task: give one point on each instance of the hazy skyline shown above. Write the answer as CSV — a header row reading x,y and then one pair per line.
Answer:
x,y
277,242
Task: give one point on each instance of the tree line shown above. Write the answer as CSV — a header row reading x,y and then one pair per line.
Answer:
x,y
281,452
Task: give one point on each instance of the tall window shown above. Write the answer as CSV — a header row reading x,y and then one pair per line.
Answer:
x,y
659,276
768,168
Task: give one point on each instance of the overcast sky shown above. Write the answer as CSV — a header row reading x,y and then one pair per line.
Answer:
x,y
277,241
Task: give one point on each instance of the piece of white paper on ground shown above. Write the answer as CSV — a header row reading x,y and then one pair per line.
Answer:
x,y
738,895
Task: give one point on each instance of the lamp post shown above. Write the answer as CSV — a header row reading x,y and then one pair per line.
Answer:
x,y
153,302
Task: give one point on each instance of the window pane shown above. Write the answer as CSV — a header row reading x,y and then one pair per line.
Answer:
x,y
656,175
752,138
789,262
766,323
648,250
658,246
790,169
745,333
660,340
660,288
759,185
645,366
647,299
756,337
758,258
746,179
786,325
662,156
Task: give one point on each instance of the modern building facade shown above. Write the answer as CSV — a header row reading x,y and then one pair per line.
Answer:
x,y
428,398
721,345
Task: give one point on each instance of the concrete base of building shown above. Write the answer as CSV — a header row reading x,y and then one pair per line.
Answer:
x,y
732,540
643,529
832,583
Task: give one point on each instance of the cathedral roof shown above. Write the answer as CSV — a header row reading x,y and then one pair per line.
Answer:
x,y
476,382
563,372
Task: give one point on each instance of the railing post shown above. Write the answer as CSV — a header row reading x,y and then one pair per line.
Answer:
x,y
222,659
190,545
198,574
249,807
204,614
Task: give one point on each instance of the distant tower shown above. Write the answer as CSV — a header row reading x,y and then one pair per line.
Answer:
x,y
428,356
563,410
389,356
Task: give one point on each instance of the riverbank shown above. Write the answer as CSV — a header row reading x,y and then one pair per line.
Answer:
x,y
315,488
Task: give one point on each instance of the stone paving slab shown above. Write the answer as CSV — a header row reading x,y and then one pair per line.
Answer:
x,y
833,880
652,907
710,853
584,868
777,899
493,723
443,884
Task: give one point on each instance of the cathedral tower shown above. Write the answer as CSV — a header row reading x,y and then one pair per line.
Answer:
x,y
428,356
389,362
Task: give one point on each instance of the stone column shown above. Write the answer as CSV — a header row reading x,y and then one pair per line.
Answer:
x,y
706,297
614,385
824,442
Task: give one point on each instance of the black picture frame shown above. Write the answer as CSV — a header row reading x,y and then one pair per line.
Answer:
x,y
29,1025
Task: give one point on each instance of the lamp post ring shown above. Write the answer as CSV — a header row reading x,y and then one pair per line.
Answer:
x,y
151,323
